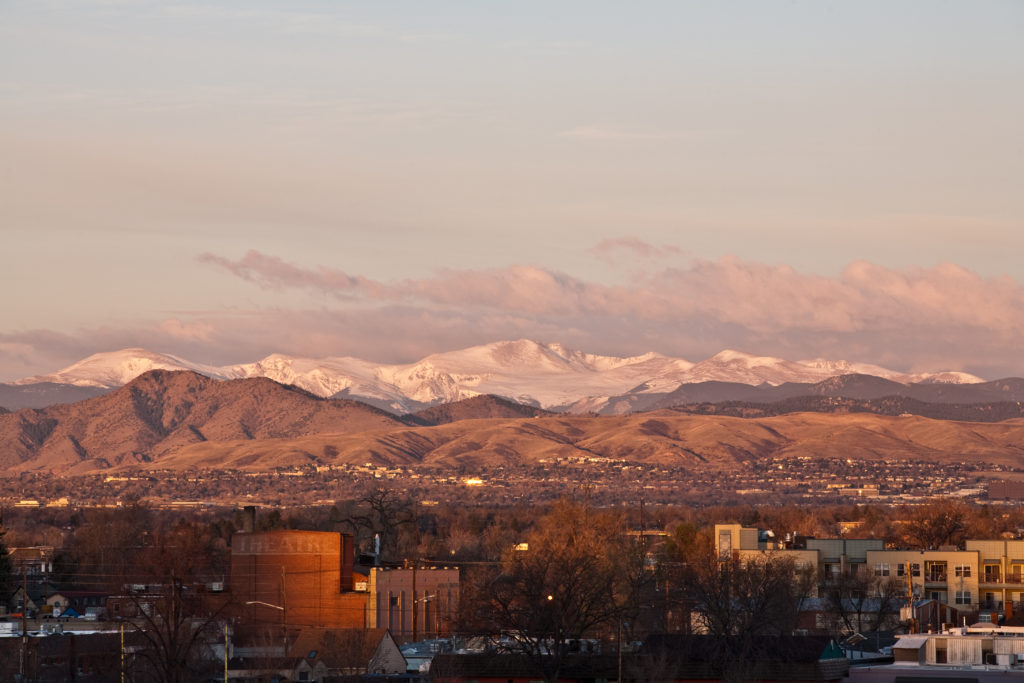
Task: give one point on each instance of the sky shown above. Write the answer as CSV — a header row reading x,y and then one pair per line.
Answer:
x,y
225,180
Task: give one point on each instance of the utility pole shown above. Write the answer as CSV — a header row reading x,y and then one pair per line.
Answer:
x,y
415,602
910,599
284,612
618,647
24,621
284,605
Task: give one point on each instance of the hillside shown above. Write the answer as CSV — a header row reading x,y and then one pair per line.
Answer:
x,y
161,412
476,408
703,442
180,420
893,406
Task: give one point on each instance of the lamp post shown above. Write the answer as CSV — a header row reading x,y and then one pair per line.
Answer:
x,y
415,614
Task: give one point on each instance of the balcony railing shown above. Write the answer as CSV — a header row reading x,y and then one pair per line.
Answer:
x,y
935,577
991,605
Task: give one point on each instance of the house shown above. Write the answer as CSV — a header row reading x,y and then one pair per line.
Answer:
x,y
311,654
31,601
346,652
66,602
35,562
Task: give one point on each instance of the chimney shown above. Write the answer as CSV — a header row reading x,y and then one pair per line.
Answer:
x,y
348,560
249,519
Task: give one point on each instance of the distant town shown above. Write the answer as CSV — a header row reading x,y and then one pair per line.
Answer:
x,y
607,482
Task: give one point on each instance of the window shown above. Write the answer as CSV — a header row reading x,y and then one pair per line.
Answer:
x,y
915,568
985,618
935,572
963,597
963,570
882,569
724,545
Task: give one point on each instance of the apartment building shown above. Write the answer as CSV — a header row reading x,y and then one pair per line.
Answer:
x,y
986,575
1001,574
830,556
949,576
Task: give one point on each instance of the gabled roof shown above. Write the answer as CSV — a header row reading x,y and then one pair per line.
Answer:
x,y
338,648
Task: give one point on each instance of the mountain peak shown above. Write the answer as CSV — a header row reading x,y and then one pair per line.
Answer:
x,y
545,374
115,368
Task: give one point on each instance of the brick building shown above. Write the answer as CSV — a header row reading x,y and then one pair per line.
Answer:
x,y
309,578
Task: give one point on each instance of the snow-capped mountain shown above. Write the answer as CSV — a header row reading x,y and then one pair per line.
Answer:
x,y
117,368
546,375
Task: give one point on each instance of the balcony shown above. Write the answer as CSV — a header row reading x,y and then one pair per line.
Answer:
x,y
991,606
935,577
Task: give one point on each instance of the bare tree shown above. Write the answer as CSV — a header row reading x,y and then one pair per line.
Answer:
x,y
575,581
382,510
175,618
740,601
859,602
939,522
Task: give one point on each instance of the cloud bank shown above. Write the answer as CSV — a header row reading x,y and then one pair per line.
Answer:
x,y
918,319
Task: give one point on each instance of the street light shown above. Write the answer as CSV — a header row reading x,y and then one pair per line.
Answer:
x,y
265,604
415,613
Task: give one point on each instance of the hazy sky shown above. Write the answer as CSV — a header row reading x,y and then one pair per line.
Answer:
x,y
223,180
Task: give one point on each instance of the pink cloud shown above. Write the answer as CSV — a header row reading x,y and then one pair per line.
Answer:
x,y
941,317
756,296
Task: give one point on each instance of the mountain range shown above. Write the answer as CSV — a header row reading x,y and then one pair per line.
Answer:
x,y
547,376
184,420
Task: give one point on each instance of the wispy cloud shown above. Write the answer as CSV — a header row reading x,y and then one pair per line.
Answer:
x,y
609,250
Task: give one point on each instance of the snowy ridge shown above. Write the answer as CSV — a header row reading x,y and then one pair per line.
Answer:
x,y
545,375
117,368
